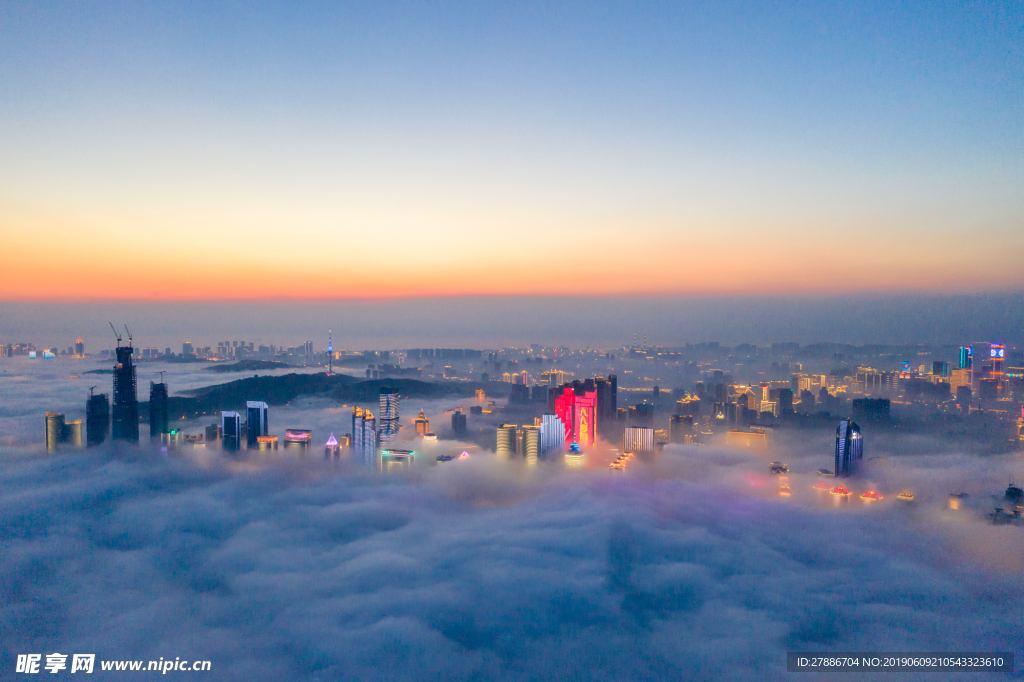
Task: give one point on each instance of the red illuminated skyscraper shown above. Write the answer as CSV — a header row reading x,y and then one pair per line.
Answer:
x,y
577,408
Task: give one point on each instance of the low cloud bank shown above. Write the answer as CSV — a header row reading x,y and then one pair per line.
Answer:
x,y
682,568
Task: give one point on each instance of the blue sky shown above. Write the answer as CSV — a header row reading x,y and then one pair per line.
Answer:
x,y
725,135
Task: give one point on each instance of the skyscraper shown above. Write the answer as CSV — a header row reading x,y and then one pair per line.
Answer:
x,y
297,439
54,430
256,422
505,447
230,431
330,353
849,448
79,348
637,439
97,419
458,424
530,442
159,419
364,435
577,408
966,357
388,423
422,424
125,410
552,434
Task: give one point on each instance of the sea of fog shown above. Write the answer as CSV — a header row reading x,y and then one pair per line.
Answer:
x,y
688,565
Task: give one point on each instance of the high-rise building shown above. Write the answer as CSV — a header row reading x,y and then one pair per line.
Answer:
x,y
849,448
58,432
331,447
577,408
125,410
73,433
530,444
388,420
396,460
54,430
230,431
552,434
297,439
681,429
940,368
459,424
186,349
97,419
79,348
266,443
638,439
640,415
505,447
422,424
966,357
159,418
364,436
256,424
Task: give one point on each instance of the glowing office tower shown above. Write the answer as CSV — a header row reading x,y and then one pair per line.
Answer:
x,y
79,348
574,458
159,418
637,439
230,431
552,434
849,448
388,423
126,402
422,424
997,355
97,419
364,435
256,425
331,447
966,357
577,408
297,439
396,460
330,353
530,444
506,442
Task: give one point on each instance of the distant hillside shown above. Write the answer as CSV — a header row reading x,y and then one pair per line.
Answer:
x,y
280,390
247,366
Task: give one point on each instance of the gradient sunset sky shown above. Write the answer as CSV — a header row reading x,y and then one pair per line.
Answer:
x,y
200,151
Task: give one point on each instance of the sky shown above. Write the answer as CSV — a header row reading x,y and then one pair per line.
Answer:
x,y
252,151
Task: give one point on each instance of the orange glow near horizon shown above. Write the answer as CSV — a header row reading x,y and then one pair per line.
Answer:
x,y
103,253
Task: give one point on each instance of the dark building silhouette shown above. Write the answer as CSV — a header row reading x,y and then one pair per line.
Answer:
x,y
256,424
231,431
679,427
97,419
125,410
458,424
641,415
159,419
871,408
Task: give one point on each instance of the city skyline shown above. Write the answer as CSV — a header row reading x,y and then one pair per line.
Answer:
x,y
504,341
742,149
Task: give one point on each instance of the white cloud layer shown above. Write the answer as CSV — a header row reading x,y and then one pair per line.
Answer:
x,y
473,570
